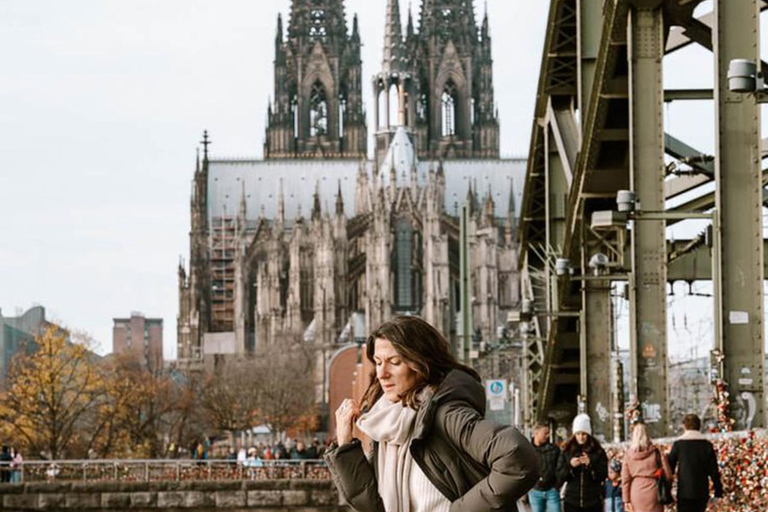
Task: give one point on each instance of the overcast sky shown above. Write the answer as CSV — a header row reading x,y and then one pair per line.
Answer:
x,y
102,104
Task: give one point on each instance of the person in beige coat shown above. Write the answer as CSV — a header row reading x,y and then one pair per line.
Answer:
x,y
643,463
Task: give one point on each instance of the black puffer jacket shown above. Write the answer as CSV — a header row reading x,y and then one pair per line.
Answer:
x,y
478,465
584,484
549,462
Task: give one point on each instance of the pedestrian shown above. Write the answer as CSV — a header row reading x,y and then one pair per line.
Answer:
x,y
299,451
5,464
16,466
694,460
545,495
643,463
586,468
613,501
431,449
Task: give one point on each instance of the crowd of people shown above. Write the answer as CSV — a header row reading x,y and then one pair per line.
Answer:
x,y
291,449
584,477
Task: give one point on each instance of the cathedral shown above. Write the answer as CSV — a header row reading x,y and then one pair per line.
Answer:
x,y
317,242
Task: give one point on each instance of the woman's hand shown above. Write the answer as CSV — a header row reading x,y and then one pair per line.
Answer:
x,y
346,414
584,459
576,462
629,507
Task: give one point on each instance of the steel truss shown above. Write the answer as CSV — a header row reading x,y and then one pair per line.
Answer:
x,y
598,129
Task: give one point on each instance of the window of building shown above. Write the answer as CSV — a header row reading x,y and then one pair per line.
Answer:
x,y
449,109
317,30
295,116
318,111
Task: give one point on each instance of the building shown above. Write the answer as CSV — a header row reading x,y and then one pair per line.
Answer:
x,y
317,244
18,333
139,338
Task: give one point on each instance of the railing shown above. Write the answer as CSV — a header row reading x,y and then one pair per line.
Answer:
x,y
164,470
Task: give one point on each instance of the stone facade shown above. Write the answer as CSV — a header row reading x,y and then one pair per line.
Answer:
x,y
310,246
304,495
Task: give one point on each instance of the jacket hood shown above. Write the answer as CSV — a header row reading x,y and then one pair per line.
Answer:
x,y
459,386
641,454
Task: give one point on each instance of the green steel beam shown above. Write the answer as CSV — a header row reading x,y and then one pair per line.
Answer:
x,y
739,203
596,322
648,279
696,265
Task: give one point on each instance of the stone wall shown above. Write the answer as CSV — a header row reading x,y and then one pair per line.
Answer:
x,y
273,495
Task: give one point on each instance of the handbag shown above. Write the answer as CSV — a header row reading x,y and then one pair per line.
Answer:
x,y
663,485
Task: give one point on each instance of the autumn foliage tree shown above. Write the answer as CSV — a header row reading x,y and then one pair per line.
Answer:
x,y
51,394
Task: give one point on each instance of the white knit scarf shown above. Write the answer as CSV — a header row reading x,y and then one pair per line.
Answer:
x,y
391,425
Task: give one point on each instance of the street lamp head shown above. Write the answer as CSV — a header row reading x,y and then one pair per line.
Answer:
x,y
742,76
561,267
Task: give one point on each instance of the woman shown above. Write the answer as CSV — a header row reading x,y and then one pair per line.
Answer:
x,y
586,468
643,462
432,451
16,465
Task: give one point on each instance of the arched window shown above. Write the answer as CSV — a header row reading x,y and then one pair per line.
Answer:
x,y
317,30
394,105
403,265
318,111
449,109
295,116
342,114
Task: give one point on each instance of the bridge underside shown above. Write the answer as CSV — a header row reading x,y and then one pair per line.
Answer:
x,y
599,129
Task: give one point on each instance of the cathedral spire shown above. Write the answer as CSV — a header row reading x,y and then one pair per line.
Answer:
x,y
279,35
339,201
281,203
316,207
393,39
410,30
485,31
205,142
355,29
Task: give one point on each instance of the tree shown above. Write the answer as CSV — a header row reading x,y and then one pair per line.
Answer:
x,y
285,387
51,393
228,395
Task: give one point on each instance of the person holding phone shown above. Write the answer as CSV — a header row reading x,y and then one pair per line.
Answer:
x,y
586,468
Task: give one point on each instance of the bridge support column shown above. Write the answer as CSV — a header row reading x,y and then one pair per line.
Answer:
x,y
648,280
596,330
739,204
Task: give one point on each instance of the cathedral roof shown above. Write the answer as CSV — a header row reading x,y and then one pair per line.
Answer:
x,y
401,157
261,181
504,179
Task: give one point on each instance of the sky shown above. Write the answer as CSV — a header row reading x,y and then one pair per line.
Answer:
x,y
102,106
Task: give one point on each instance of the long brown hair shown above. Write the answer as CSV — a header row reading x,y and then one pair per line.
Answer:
x,y
423,348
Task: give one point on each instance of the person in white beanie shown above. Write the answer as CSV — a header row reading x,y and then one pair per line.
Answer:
x,y
586,468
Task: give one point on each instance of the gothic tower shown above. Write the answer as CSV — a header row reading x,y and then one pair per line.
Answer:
x,y
393,86
318,108
194,295
454,111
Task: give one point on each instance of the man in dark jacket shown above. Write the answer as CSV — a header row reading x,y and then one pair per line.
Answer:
x,y
693,458
545,496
